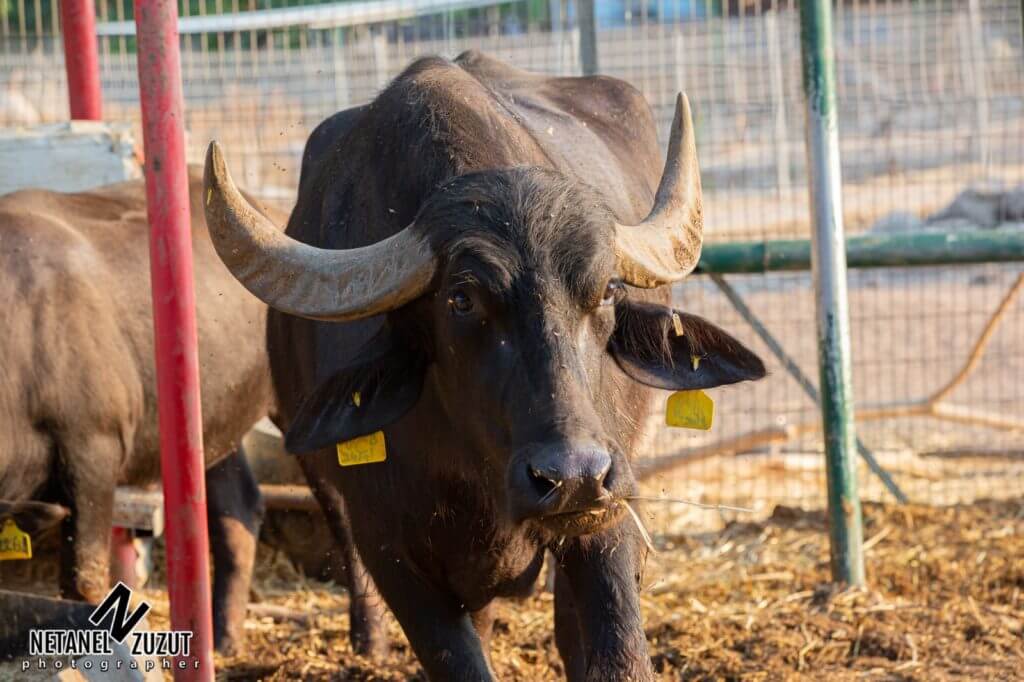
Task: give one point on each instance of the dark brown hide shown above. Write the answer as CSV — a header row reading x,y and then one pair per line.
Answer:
x,y
499,383
366,174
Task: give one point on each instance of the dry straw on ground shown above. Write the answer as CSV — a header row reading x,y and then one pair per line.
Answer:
x,y
751,602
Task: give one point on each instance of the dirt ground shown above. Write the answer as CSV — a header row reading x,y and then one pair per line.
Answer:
x,y
750,602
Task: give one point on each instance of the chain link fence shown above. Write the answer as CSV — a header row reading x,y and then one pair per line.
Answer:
x,y
931,115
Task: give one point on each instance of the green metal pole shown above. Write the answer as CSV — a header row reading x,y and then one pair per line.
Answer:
x,y
828,263
961,247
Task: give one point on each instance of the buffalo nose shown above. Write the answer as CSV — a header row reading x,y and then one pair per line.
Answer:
x,y
567,480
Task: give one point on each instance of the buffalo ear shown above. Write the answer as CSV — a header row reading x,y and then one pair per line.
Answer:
x,y
357,400
33,517
647,348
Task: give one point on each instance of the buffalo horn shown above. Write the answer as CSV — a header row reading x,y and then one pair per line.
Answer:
x,y
665,247
303,280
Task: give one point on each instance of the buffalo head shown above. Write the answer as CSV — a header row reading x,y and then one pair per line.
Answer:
x,y
515,297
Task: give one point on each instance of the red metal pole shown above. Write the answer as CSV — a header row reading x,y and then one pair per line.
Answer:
x,y
123,557
78,23
177,358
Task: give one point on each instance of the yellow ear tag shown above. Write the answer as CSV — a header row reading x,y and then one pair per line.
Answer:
x,y
363,450
690,410
14,542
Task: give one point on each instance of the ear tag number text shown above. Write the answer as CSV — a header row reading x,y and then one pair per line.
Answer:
x,y
14,542
363,450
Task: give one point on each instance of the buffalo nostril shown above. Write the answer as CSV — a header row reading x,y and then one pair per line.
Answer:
x,y
545,485
606,480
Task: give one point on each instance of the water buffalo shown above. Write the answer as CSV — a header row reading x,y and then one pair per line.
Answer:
x,y
474,268
78,413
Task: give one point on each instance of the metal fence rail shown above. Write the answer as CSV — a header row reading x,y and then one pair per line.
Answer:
x,y
931,104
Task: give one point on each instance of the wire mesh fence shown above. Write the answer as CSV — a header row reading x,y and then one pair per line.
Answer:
x,y
931,116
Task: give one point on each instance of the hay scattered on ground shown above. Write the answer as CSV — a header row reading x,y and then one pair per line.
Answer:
x,y
751,602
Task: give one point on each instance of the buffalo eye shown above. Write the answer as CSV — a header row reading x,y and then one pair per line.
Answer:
x,y
460,302
613,293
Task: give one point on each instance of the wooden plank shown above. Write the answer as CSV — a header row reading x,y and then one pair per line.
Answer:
x,y
67,157
648,467
289,497
139,509
142,509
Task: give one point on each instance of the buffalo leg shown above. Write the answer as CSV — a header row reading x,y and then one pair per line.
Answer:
x,y
234,513
88,467
568,637
366,608
598,587
443,635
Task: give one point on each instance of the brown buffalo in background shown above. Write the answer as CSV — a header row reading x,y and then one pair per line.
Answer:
x,y
78,409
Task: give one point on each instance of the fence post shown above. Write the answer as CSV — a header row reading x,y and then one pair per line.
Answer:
x,y
974,38
81,59
778,88
381,64
493,21
339,64
175,337
588,36
828,260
